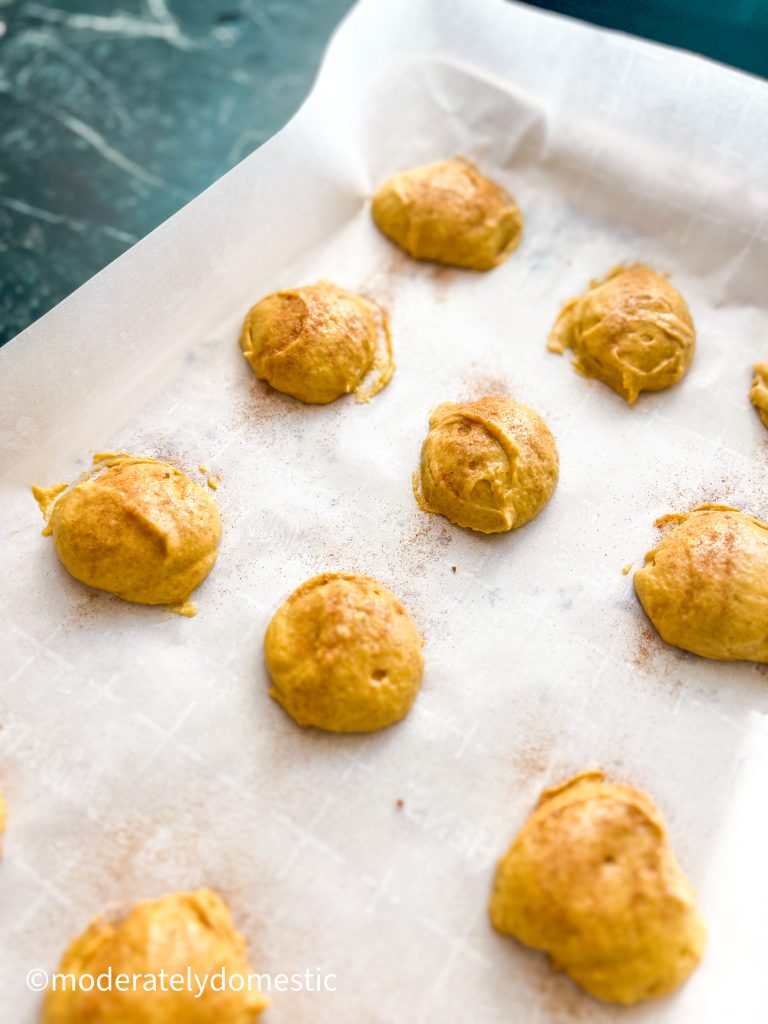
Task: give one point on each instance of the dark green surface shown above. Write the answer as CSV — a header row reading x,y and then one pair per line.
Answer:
x,y
114,113
732,31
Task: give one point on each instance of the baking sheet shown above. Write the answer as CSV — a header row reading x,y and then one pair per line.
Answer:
x,y
139,753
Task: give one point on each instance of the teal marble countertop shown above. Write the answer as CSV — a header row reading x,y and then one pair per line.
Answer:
x,y
731,31
115,113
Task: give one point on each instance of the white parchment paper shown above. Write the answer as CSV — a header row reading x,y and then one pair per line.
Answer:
x,y
139,752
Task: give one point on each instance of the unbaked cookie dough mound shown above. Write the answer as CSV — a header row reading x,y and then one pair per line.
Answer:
x,y
449,213
705,587
135,527
181,933
592,880
344,655
318,343
490,465
633,331
758,393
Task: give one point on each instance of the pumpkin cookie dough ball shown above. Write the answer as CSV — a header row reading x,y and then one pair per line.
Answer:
x,y
318,343
705,587
138,528
758,393
633,331
344,655
449,213
592,880
490,465
176,934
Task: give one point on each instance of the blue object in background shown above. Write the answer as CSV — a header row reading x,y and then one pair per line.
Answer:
x,y
732,31
114,113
